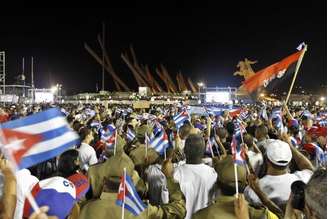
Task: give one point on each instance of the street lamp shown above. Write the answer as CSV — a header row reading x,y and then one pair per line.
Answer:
x,y
322,98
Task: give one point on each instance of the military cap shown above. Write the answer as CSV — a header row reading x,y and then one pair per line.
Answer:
x,y
138,155
226,173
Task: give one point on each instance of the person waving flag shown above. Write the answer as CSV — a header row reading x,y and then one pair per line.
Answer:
x,y
36,138
127,196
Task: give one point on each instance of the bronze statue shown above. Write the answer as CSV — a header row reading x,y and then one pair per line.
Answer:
x,y
245,69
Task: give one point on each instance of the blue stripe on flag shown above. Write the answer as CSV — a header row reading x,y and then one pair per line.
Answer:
x,y
129,181
33,119
40,157
55,133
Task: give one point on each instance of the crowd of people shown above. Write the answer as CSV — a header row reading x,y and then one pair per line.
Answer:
x,y
274,168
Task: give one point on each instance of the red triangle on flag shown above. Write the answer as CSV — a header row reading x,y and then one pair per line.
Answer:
x,y
10,136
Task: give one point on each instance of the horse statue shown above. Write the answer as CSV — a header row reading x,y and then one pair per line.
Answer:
x,y
245,69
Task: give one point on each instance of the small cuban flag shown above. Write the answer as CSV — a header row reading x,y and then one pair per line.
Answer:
x,y
160,142
276,117
180,118
238,151
128,198
109,138
36,138
130,135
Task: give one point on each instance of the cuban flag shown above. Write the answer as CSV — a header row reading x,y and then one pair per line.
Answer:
x,y
237,151
239,128
264,114
307,113
157,128
160,142
209,146
109,138
128,197
244,115
295,141
130,135
95,124
321,120
321,157
181,118
56,192
277,116
36,138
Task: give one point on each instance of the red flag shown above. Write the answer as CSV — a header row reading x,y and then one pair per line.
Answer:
x,y
276,70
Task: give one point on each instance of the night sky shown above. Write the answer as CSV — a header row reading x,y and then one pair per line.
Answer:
x,y
205,44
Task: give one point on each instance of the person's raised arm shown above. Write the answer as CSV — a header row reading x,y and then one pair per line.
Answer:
x,y
224,151
301,161
9,191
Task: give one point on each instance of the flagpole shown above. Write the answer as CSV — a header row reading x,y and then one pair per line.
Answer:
x,y
296,72
115,142
124,179
146,139
164,153
236,179
210,145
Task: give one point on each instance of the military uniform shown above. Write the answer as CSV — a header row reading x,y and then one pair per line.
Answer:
x,y
97,173
223,206
105,207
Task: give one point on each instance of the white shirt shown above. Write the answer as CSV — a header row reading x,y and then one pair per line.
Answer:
x,y
197,182
277,188
25,183
87,155
256,160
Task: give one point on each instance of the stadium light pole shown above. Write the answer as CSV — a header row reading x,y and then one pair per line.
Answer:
x,y
200,84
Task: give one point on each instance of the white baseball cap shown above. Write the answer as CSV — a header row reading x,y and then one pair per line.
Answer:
x,y
279,153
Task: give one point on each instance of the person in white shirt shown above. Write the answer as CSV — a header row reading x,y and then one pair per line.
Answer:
x,y
197,180
25,182
87,154
276,184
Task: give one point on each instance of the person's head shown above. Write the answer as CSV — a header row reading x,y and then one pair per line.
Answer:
x,y
261,132
222,133
307,121
194,148
225,113
230,128
293,126
86,135
322,141
203,120
279,155
316,196
248,140
68,163
226,177
184,131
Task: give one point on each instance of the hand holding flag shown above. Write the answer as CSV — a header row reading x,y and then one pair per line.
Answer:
x,y
128,197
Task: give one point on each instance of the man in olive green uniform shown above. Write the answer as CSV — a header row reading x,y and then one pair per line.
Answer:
x,y
223,206
105,207
97,173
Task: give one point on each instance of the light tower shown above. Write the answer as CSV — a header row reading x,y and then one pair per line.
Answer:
x,y
3,71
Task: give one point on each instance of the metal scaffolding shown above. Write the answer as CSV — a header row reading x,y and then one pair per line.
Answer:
x,y
3,71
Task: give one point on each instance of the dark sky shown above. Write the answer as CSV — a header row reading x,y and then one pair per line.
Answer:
x,y
205,43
